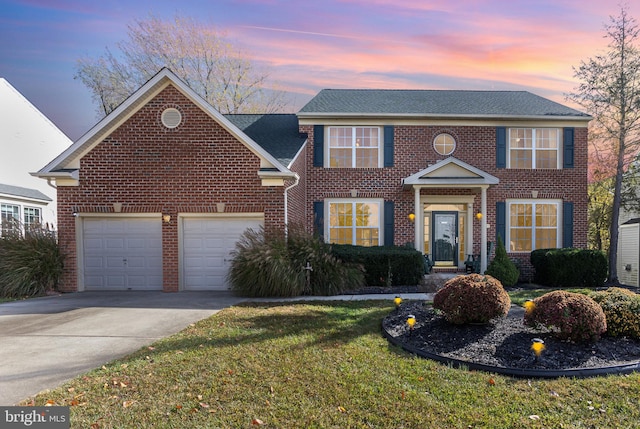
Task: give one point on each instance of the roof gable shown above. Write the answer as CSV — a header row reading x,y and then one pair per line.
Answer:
x,y
69,160
451,172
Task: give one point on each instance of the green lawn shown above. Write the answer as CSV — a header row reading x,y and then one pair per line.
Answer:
x,y
323,365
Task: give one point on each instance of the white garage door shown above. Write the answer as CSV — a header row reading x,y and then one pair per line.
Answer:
x,y
122,254
207,244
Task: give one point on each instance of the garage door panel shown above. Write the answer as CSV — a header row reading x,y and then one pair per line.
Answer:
x,y
206,245
122,253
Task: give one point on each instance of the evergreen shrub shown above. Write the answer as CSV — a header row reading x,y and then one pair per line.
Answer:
x,y
622,310
503,268
384,265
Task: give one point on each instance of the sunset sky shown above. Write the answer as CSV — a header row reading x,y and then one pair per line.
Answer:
x,y
309,45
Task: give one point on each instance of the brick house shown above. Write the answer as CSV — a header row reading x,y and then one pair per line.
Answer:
x,y
157,193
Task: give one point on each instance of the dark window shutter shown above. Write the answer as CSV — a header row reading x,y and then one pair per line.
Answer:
x,y
567,224
567,161
388,146
501,221
501,147
318,218
388,223
318,145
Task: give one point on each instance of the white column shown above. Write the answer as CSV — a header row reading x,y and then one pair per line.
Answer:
x,y
468,238
419,220
483,231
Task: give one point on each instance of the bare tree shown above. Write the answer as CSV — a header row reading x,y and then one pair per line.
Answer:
x,y
609,89
200,55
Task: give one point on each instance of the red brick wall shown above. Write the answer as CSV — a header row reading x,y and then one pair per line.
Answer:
x,y
151,169
476,145
297,201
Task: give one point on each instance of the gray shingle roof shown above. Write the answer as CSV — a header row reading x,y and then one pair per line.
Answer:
x,y
435,103
278,134
18,191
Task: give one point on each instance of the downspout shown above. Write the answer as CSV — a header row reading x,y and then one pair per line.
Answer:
x,y
51,184
286,203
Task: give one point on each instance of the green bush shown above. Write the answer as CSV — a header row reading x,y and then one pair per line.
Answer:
x,y
30,264
384,265
474,298
569,267
622,310
273,264
571,316
503,268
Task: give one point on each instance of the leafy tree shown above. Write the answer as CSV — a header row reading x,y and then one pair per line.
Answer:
x,y
609,90
600,196
200,55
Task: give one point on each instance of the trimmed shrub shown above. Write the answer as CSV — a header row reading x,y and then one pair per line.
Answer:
x,y
569,267
473,298
571,316
503,268
31,264
269,263
384,265
622,310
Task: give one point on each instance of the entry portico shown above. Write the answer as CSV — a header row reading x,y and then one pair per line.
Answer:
x,y
444,221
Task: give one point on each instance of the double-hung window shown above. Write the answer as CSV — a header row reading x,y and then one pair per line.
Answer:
x,y
534,148
354,147
354,222
9,217
533,225
32,218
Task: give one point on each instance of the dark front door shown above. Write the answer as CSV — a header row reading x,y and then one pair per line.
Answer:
x,y
445,237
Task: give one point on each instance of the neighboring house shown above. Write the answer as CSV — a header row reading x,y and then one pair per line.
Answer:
x,y
629,252
21,208
28,141
156,195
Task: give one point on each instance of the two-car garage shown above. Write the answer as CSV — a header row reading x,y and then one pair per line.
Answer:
x,y
123,252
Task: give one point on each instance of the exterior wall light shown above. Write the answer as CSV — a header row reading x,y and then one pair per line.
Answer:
x,y
479,216
412,217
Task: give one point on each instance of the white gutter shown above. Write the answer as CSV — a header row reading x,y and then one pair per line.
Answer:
x,y
286,203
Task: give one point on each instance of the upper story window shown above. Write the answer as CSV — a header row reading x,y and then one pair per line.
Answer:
x,y
354,147
444,144
534,148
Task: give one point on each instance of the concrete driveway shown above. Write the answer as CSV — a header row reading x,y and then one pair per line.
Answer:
x,y
47,341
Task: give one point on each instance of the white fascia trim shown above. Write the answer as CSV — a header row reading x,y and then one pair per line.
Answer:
x,y
295,157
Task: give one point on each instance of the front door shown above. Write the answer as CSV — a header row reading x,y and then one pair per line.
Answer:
x,y
445,237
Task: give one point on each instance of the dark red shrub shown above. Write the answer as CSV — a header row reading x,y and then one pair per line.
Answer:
x,y
571,316
473,298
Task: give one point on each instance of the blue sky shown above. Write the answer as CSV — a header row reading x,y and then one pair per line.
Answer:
x,y
310,45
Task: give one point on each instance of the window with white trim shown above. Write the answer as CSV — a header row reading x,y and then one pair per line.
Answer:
x,y
531,148
354,222
533,225
32,218
354,147
9,217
